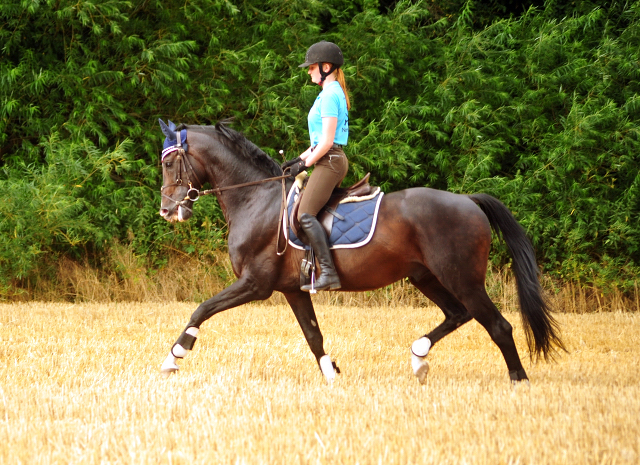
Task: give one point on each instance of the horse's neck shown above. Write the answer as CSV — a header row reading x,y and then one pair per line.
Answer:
x,y
238,203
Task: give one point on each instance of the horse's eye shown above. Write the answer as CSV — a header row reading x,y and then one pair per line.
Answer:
x,y
168,164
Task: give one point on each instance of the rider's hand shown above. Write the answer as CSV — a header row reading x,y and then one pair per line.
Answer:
x,y
297,168
289,163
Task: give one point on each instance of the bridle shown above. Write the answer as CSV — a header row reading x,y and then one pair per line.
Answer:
x,y
193,194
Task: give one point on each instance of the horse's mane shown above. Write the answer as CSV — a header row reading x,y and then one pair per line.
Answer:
x,y
237,142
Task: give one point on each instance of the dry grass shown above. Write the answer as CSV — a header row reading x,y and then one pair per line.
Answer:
x,y
128,277
80,384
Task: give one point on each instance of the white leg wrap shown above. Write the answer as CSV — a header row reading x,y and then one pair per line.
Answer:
x,y
193,331
179,351
326,365
169,365
419,364
421,346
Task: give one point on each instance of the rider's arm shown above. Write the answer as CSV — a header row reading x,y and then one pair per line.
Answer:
x,y
329,125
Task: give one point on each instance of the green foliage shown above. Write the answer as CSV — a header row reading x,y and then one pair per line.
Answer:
x,y
50,210
539,107
542,114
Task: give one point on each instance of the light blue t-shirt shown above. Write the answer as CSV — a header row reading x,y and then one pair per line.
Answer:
x,y
331,102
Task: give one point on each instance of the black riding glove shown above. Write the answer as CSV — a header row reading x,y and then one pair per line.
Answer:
x,y
296,169
287,164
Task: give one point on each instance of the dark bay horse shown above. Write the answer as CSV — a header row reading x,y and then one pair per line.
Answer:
x,y
437,239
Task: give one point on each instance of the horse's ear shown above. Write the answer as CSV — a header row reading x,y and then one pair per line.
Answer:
x,y
165,129
172,126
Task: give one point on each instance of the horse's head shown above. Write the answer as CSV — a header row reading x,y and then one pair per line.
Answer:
x,y
180,181
217,155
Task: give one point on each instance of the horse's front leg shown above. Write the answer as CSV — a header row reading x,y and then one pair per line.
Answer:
x,y
303,310
243,291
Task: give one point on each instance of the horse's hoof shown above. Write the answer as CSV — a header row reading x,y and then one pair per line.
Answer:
x,y
326,366
518,376
420,367
169,366
165,373
520,382
422,371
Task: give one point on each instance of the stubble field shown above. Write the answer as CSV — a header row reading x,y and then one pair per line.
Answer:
x,y
80,384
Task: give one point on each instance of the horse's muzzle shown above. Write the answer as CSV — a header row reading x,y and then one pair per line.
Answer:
x,y
178,213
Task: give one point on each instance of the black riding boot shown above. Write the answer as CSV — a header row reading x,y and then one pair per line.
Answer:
x,y
318,240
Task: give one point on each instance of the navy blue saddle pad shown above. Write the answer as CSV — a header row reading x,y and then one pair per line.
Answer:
x,y
355,230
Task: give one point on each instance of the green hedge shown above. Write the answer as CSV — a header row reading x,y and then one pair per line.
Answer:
x,y
539,107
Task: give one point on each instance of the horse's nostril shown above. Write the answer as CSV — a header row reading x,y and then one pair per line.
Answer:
x,y
164,212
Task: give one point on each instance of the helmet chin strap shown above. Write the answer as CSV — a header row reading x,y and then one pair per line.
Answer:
x,y
324,75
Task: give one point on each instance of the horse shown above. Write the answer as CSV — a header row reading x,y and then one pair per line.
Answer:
x,y
439,240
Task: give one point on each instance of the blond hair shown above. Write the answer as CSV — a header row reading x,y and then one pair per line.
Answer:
x,y
343,84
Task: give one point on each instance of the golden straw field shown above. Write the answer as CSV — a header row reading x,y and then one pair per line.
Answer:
x,y
80,384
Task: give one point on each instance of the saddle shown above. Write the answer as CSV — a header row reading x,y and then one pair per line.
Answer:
x,y
360,189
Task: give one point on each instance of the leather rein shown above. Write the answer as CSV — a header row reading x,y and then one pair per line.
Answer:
x,y
194,194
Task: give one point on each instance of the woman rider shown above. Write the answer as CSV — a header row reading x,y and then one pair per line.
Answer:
x,y
329,131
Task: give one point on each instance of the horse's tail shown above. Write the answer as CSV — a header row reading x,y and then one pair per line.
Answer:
x,y
541,329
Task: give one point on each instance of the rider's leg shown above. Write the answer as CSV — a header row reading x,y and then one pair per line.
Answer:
x,y
317,238
328,173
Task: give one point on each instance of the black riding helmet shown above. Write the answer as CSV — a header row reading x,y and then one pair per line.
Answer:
x,y
324,52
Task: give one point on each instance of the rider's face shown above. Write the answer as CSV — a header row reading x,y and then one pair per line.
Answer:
x,y
314,72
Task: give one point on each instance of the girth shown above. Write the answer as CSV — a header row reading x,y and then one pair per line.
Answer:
x,y
360,189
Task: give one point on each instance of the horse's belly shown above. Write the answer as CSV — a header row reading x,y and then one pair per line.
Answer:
x,y
373,275
389,257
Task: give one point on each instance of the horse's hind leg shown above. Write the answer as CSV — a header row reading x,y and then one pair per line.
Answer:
x,y
455,312
303,310
485,312
455,315
472,304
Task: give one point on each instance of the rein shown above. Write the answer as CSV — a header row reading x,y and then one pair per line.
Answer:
x,y
194,194
236,186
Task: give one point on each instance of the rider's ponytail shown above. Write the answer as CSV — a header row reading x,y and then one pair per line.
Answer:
x,y
343,84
